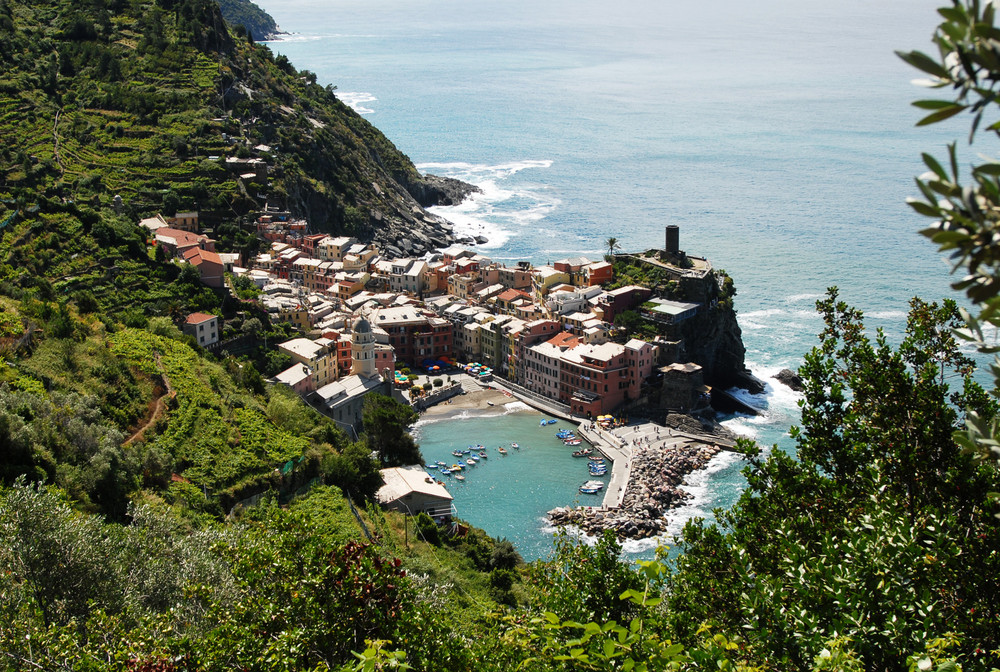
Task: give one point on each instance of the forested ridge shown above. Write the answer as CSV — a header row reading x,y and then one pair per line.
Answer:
x,y
163,508
258,23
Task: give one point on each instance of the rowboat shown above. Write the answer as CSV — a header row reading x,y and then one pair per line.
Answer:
x,y
502,450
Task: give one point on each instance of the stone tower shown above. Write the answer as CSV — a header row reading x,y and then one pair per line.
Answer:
x,y
362,349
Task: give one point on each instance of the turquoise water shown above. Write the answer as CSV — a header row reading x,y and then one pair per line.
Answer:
x,y
778,135
509,496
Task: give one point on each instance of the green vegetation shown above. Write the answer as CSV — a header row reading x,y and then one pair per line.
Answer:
x,y
254,20
161,509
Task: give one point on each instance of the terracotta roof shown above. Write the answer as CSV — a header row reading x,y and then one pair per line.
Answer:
x,y
198,318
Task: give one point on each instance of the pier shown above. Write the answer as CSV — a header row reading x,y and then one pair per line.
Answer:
x,y
634,505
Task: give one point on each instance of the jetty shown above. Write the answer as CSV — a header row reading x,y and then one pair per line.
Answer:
x,y
649,463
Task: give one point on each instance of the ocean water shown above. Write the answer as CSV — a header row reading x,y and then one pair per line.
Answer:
x,y
778,135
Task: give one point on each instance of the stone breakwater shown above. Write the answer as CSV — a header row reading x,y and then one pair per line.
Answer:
x,y
652,490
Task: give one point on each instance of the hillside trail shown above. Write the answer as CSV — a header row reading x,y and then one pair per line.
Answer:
x,y
159,406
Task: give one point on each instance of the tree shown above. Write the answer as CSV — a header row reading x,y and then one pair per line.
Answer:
x,y
966,226
386,422
871,532
612,245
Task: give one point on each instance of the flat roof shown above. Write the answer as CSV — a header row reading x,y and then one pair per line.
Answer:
x,y
402,481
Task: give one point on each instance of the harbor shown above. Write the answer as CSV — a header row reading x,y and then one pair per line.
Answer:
x,y
537,487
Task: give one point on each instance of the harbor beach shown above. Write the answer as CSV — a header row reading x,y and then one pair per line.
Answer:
x,y
521,495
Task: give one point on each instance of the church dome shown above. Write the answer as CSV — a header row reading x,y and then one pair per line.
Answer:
x,y
361,326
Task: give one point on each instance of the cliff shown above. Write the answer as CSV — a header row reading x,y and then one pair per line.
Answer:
x,y
710,335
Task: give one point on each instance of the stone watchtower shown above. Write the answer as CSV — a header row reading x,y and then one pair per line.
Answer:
x,y
362,349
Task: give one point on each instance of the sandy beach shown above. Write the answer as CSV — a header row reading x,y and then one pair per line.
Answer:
x,y
472,400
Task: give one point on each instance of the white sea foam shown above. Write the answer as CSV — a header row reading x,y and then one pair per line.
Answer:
x,y
777,406
784,320
887,315
795,298
500,208
303,37
356,100
699,485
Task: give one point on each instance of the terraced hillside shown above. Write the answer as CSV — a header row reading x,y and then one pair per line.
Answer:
x,y
147,99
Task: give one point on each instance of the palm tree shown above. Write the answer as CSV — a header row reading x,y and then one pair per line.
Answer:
x,y
613,245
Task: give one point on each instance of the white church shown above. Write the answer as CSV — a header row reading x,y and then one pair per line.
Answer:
x,y
343,399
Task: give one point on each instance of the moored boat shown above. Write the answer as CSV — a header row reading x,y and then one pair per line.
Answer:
x,y
582,453
572,442
483,455
515,446
502,450
470,462
459,477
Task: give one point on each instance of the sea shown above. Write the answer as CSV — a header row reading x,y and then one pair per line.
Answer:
x,y
778,135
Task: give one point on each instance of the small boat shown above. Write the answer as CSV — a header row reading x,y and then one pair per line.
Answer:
x,y
466,451
542,423
441,464
446,471
456,467
572,442
596,461
490,403
475,458
459,477
591,487
502,450
515,446
582,453
483,455
598,472
551,421
457,453
471,462
564,434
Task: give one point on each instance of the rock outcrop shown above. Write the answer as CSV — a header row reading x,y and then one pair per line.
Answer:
x,y
790,379
653,490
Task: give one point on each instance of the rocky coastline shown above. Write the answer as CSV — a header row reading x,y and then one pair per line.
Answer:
x,y
652,490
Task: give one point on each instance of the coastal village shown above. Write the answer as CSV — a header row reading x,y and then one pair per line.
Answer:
x,y
460,321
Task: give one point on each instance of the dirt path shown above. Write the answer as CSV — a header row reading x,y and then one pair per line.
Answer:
x,y
159,406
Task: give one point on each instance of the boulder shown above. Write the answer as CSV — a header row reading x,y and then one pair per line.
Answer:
x,y
790,379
